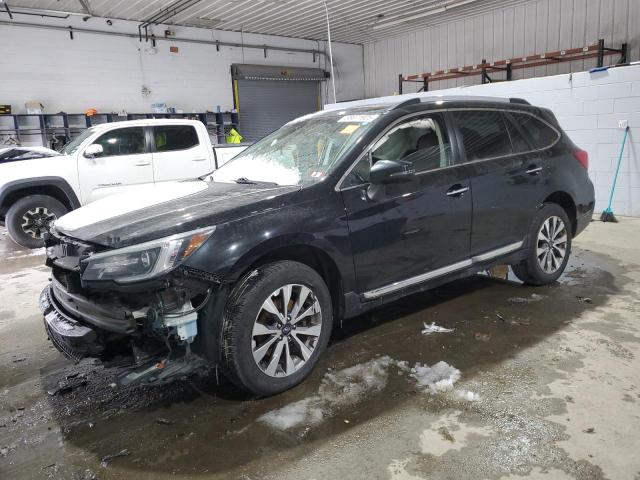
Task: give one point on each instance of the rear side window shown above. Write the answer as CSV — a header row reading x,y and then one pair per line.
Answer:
x,y
484,134
519,140
541,134
122,141
176,137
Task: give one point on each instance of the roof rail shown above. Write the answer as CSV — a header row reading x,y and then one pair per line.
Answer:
x,y
521,101
406,103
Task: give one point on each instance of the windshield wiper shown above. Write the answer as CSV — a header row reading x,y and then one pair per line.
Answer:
x,y
245,181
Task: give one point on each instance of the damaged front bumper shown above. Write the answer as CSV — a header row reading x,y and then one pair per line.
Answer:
x,y
71,338
148,345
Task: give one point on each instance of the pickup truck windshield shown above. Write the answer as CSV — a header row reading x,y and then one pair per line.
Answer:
x,y
303,151
73,145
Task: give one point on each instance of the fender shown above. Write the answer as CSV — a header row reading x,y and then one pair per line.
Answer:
x,y
35,182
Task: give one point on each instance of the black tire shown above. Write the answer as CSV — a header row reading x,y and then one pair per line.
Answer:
x,y
46,210
530,271
243,307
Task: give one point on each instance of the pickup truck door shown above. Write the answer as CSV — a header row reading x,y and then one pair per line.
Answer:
x,y
179,153
124,164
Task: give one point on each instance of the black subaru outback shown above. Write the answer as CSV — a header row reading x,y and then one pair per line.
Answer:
x,y
333,214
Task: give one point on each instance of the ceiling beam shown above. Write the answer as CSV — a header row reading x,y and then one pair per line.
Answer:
x,y
86,7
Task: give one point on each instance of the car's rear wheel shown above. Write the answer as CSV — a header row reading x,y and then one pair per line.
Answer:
x,y
276,325
549,247
30,217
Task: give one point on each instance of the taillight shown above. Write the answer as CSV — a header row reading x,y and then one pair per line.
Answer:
x,y
583,157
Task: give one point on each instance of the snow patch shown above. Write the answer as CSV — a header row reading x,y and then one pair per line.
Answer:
x,y
433,328
31,253
468,395
337,389
436,379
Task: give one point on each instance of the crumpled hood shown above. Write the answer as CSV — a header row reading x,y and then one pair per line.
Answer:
x,y
156,211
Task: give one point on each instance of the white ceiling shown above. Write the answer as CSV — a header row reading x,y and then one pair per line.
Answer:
x,y
352,21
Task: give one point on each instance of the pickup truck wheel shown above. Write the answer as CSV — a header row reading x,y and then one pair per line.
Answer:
x,y
29,218
549,247
276,325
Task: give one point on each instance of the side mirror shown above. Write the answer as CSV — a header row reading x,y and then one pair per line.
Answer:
x,y
391,171
94,150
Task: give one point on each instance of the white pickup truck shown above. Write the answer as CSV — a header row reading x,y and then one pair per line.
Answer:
x,y
105,159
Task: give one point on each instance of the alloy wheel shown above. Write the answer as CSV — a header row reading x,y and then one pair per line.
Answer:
x,y
552,244
286,330
36,222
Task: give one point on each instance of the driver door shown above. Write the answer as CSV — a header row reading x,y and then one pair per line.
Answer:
x,y
405,233
124,164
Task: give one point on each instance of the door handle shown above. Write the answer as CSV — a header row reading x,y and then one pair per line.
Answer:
x,y
143,163
457,191
199,159
533,170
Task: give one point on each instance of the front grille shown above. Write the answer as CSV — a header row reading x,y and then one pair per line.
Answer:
x,y
62,344
70,280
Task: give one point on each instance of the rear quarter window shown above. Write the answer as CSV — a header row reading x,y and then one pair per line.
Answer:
x,y
540,134
176,137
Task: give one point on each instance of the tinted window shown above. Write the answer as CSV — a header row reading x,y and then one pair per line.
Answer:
x,y
484,134
519,140
422,141
540,133
180,137
124,141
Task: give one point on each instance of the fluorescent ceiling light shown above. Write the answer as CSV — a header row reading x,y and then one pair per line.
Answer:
x,y
416,16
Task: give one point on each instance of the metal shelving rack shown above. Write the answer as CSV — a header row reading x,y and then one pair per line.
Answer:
x,y
597,50
69,125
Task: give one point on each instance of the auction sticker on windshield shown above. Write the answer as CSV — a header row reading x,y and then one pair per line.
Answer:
x,y
358,118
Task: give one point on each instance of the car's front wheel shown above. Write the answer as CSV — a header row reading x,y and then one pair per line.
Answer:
x,y
30,217
277,323
549,247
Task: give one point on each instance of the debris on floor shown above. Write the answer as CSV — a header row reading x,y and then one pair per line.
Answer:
x,y
433,328
523,300
66,385
107,458
482,337
584,299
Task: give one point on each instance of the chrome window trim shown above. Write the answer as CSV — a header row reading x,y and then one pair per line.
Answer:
x,y
439,272
338,188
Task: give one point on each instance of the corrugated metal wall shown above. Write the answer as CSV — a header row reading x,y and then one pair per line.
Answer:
x,y
536,26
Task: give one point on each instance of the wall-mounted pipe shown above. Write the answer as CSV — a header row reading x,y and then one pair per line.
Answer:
x,y
172,39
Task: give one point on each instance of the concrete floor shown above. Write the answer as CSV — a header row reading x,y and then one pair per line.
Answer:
x,y
548,387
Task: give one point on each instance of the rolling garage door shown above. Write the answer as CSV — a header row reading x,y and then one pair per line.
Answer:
x,y
269,97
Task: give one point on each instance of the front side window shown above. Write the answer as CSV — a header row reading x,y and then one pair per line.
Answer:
x,y
71,147
303,151
177,137
122,141
484,134
422,141
541,134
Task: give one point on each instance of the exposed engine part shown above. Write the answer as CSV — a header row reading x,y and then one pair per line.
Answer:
x,y
186,325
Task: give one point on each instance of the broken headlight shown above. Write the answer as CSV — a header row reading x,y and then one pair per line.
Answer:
x,y
146,260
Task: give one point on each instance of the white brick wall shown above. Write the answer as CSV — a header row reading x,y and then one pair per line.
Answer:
x,y
589,107
107,72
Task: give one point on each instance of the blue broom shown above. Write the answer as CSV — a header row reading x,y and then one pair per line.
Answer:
x,y
607,215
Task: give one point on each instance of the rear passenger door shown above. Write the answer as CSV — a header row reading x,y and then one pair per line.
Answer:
x,y
506,177
178,153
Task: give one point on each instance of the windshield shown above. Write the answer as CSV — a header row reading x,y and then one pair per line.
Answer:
x,y
303,151
73,145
